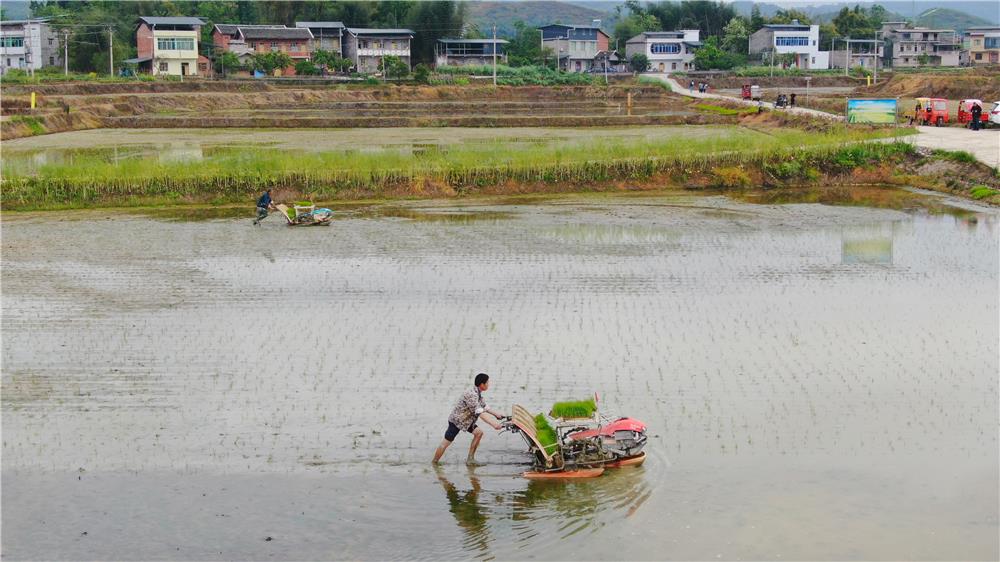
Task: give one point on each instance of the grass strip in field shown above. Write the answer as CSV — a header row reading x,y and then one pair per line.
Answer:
x,y
235,174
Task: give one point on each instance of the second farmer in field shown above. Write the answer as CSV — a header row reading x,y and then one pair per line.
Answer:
x,y
469,408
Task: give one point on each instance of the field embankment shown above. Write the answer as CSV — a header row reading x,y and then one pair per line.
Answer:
x,y
341,106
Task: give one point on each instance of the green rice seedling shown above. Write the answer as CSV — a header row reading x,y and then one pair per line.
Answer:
x,y
574,409
546,435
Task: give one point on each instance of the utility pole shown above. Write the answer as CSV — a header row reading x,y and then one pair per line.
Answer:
x,y
847,58
875,61
111,50
66,52
494,55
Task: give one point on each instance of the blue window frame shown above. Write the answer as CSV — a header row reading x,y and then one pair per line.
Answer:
x,y
992,43
791,41
665,48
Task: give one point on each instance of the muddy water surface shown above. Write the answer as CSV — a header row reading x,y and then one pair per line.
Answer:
x,y
820,382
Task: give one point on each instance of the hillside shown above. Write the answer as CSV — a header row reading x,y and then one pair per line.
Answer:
x,y
950,19
534,13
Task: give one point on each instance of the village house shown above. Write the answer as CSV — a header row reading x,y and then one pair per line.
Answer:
x,y
366,47
576,46
794,38
666,50
465,52
29,45
921,46
227,37
327,35
169,45
863,53
245,41
983,45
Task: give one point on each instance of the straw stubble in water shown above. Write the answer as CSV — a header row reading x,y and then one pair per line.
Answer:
x,y
818,382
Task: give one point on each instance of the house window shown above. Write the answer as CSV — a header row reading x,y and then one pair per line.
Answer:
x,y
979,56
50,41
993,42
11,41
52,61
274,45
175,43
293,47
164,67
363,44
664,48
791,41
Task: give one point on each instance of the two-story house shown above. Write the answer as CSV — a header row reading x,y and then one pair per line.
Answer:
x,y
169,45
794,38
227,37
327,35
366,47
464,52
666,50
921,46
29,45
983,44
245,41
576,46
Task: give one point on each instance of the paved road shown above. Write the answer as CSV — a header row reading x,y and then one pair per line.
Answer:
x,y
984,145
678,89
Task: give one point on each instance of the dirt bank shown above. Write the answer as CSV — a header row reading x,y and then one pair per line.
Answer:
x,y
984,85
112,105
732,81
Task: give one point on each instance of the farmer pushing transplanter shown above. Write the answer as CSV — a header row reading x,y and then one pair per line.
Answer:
x,y
469,408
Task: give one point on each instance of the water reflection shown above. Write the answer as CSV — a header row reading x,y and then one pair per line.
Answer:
x,y
537,513
469,513
869,244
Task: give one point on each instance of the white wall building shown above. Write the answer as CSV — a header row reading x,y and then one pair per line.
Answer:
x,y
29,45
169,45
793,38
667,50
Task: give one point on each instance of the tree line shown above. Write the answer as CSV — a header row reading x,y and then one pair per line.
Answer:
x,y
88,21
724,33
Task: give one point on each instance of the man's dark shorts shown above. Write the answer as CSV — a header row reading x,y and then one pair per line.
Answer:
x,y
453,431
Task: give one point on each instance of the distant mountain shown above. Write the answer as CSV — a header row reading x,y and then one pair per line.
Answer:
x,y
534,13
16,9
950,19
988,10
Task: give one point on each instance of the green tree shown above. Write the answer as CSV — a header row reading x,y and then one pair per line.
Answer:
x,y
827,33
736,36
710,57
923,59
525,47
422,74
757,21
790,15
225,62
433,20
639,62
306,68
393,67
332,61
710,17
269,62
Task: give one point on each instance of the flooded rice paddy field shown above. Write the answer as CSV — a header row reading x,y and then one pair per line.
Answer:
x,y
26,155
819,382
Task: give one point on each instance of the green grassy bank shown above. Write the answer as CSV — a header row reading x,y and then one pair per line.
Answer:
x,y
233,175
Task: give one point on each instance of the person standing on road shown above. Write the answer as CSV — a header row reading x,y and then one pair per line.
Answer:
x,y
691,87
469,408
977,112
263,204
916,114
792,102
